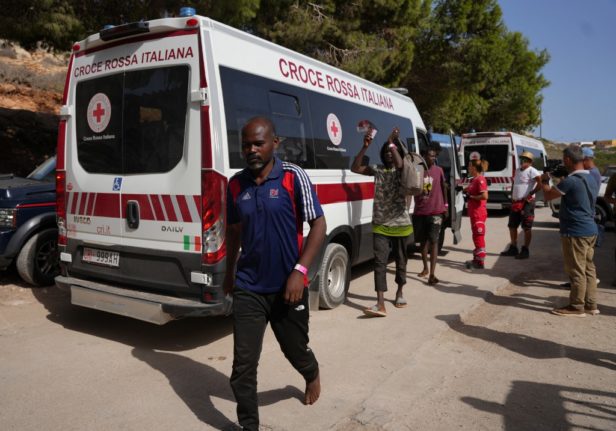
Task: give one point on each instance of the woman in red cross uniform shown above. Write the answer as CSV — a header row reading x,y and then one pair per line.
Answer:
x,y
477,193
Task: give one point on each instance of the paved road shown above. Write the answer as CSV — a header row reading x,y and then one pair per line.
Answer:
x,y
474,352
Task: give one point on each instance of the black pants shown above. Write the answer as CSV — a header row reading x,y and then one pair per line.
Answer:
x,y
381,245
251,313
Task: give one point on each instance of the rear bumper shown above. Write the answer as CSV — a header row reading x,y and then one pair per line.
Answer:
x,y
498,200
146,306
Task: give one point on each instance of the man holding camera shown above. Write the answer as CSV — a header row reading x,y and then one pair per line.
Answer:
x,y
578,232
526,183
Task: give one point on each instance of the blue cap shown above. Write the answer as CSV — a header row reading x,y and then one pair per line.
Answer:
x,y
588,152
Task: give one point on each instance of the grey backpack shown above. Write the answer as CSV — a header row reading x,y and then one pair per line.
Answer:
x,y
412,175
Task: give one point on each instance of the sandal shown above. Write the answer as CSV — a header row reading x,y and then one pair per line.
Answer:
x,y
400,302
433,280
374,312
423,274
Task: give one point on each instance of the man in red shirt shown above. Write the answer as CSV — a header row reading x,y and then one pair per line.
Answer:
x,y
430,211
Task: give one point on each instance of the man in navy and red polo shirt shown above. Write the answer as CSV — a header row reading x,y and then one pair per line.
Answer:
x,y
267,203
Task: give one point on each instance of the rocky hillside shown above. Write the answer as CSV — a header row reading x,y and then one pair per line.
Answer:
x,y
31,86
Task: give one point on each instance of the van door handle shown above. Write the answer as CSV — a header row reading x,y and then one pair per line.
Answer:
x,y
132,214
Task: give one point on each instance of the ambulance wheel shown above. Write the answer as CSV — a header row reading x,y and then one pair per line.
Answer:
x,y
37,262
334,276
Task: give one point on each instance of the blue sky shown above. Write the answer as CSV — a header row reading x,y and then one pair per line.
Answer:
x,y
580,35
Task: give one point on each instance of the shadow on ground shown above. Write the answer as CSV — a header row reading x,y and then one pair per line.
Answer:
x,y
531,347
541,406
197,384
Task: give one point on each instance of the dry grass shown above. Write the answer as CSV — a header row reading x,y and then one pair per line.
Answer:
x,y
24,75
40,70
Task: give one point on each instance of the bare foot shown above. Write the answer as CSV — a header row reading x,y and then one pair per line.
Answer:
x,y
313,390
423,273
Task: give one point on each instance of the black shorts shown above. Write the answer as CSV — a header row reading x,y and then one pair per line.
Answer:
x,y
525,217
427,228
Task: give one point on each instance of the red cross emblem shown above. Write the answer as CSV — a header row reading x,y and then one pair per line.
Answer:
x,y
99,112
334,129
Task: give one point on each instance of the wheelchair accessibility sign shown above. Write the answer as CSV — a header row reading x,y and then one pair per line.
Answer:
x,y
117,184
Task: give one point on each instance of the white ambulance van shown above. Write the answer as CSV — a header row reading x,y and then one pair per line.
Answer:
x,y
150,134
502,151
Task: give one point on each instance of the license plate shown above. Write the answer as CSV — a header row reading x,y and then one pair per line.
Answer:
x,y
101,257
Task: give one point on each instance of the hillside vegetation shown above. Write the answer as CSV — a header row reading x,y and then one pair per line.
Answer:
x,y
31,87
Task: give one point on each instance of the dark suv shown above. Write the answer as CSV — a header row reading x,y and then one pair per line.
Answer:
x,y
28,231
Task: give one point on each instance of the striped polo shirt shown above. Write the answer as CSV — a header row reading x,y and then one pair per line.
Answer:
x,y
271,216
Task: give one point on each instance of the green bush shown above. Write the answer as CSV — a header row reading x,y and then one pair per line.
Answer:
x,y
603,158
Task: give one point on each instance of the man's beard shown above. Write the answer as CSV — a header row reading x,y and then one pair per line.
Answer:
x,y
257,164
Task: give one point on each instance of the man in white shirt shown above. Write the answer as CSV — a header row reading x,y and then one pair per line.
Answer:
x,y
526,183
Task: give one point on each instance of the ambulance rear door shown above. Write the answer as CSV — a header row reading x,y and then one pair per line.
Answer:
x,y
136,166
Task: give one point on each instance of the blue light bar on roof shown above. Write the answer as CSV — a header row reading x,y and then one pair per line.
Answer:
x,y
187,11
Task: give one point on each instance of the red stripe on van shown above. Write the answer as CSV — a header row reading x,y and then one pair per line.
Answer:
x,y
110,205
184,208
37,205
197,200
334,193
82,204
90,208
75,197
107,205
158,209
497,180
169,208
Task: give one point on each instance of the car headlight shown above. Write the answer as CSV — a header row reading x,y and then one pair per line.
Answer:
x,y
8,217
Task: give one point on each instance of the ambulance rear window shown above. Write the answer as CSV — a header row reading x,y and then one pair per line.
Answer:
x,y
132,122
496,155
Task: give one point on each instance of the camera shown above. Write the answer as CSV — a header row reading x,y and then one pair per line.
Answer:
x,y
555,168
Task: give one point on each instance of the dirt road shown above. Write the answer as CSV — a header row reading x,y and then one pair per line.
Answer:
x,y
474,352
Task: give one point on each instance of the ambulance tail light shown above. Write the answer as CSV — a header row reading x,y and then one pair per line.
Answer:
x,y
213,198
61,206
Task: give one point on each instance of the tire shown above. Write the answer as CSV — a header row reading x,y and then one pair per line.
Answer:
x,y
334,276
601,215
37,262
